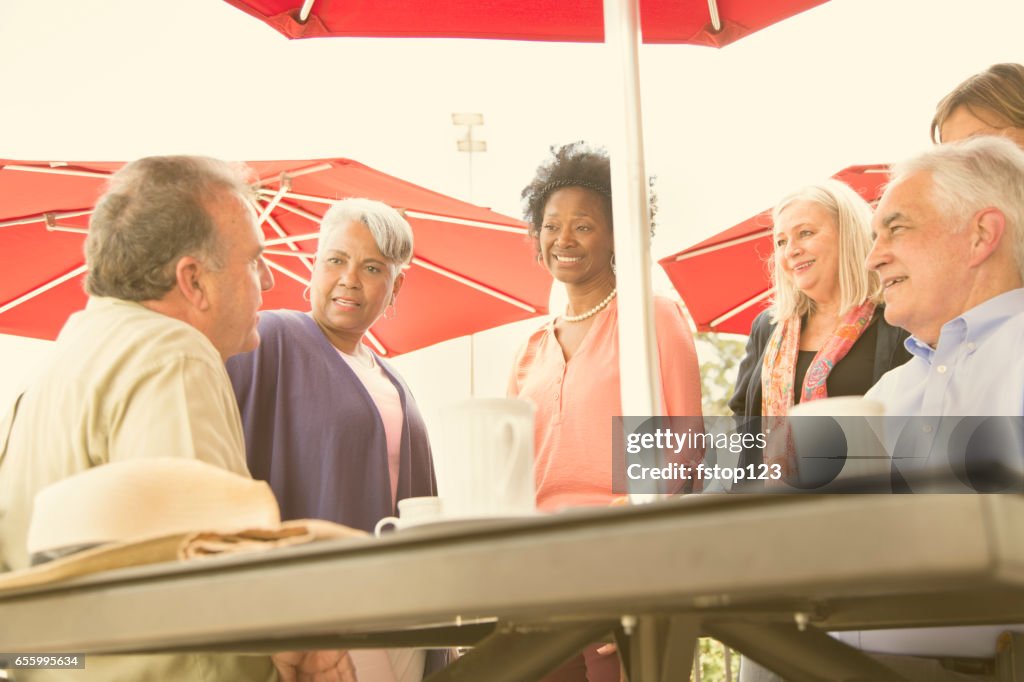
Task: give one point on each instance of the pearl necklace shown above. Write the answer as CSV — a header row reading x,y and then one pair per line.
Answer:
x,y
593,311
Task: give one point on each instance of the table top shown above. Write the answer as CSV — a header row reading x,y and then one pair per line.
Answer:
x,y
844,561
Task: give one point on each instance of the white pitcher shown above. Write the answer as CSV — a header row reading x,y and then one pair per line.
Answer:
x,y
484,458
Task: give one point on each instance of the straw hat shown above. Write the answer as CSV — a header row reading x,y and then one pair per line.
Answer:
x,y
148,510
141,498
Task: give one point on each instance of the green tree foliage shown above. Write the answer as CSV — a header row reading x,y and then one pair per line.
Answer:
x,y
713,667
720,356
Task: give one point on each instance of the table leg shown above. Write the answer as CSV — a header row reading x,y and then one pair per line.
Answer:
x,y
807,655
661,648
1010,657
519,653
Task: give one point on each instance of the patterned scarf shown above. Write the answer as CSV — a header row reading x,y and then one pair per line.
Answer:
x,y
778,369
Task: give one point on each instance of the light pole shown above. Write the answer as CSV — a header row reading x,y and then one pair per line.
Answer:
x,y
468,143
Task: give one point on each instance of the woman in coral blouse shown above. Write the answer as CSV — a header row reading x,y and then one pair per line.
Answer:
x,y
569,368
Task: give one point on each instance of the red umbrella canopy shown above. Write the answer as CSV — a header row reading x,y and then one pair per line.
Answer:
x,y
694,22
472,268
725,280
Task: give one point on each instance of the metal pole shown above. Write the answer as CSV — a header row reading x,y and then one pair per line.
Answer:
x,y
638,353
469,137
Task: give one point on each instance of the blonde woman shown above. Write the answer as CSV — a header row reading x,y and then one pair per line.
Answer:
x,y
824,334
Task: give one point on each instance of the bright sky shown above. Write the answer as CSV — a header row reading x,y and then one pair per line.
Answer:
x,y
726,131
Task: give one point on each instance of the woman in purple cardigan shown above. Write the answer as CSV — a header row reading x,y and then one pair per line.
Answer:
x,y
329,425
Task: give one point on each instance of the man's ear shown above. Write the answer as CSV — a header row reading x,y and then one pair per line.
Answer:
x,y
987,228
189,276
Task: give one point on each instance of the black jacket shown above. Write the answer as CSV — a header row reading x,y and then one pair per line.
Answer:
x,y
746,398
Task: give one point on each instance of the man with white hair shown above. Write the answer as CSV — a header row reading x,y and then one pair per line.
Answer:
x,y
949,248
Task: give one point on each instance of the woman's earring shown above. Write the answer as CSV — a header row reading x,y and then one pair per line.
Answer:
x,y
613,263
392,309
305,294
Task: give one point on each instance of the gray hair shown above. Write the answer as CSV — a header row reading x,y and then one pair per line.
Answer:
x,y
154,212
852,216
389,229
973,174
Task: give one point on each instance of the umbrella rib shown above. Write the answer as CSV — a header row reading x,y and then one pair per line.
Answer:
x,y
312,217
412,213
716,20
56,171
302,255
741,307
269,219
67,228
300,197
286,184
376,343
473,285
280,252
286,272
307,7
723,245
42,218
52,226
464,221
43,289
289,239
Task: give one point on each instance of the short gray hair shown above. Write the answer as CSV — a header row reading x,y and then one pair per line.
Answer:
x,y
973,174
155,211
852,216
389,229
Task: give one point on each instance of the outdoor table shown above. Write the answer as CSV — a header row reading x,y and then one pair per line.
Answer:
x,y
767,574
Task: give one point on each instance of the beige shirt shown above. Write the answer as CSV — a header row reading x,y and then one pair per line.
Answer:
x,y
124,382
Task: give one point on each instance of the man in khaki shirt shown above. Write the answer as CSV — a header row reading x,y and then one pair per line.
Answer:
x,y
175,276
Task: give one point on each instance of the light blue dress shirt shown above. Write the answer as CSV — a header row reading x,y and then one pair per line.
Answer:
x,y
976,370
936,404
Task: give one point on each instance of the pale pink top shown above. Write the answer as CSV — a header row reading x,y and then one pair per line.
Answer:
x,y
389,405
575,401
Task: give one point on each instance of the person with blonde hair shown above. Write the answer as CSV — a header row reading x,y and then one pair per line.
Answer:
x,y
824,334
987,103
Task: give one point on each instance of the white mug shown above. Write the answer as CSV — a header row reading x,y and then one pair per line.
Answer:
x,y
412,511
484,458
861,424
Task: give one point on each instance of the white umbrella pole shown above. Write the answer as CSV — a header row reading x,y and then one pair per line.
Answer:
x,y
472,365
638,352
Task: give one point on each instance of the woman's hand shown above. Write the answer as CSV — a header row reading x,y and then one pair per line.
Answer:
x,y
609,650
315,666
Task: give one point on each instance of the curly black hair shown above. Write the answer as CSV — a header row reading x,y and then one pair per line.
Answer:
x,y
576,164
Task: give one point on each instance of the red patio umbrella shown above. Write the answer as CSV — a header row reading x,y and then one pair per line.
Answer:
x,y
662,21
617,22
724,280
472,268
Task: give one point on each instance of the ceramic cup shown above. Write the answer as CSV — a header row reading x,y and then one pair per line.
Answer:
x,y
484,458
412,511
